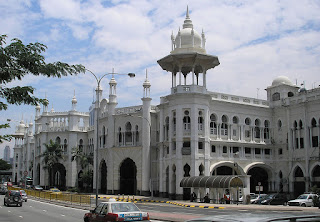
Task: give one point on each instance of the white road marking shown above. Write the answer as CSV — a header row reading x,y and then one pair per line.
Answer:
x,y
21,216
63,215
44,210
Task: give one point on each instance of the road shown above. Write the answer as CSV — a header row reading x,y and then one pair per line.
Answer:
x,y
36,211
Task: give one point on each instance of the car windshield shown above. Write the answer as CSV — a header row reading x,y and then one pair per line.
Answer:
x,y
23,192
303,197
123,207
14,193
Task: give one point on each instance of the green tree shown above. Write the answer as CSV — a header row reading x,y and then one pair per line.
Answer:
x,y
82,158
85,161
51,156
18,60
4,165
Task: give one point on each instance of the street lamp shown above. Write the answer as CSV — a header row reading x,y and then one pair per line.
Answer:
x,y
98,79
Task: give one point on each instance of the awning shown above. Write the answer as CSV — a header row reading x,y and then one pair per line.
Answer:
x,y
220,181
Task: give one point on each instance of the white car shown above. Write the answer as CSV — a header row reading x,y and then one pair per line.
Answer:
x,y
304,200
256,198
116,211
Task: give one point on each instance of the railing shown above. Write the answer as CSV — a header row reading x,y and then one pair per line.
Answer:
x,y
71,198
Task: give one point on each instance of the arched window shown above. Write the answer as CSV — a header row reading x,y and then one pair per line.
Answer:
x,y
201,170
186,170
266,129
104,135
257,128
200,121
81,145
224,126
166,129
247,121
186,121
137,134
128,134
65,146
58,140
235,120
213,125
300,124
313,122
276,96
120,136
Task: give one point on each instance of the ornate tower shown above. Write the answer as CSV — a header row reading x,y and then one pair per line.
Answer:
x,y
188,57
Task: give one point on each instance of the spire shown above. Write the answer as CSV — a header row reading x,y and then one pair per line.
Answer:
x,y
187,22
74,101
146,86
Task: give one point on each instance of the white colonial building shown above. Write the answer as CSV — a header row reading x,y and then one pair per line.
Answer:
x,y
195,140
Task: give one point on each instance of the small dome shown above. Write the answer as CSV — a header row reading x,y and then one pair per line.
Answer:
x,y
21,128
113,81
186,38
38,107
281,80
74,99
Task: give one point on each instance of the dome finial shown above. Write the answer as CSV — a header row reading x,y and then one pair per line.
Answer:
x,y
187,14
187,22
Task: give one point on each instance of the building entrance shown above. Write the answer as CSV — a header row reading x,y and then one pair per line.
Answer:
x,y
128,174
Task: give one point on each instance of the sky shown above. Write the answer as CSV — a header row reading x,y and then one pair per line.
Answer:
x,y
255,41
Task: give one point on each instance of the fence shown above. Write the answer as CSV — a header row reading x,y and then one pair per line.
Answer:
x,y
70,198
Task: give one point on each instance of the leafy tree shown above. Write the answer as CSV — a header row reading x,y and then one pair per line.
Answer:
x,y
51,156
82,158
18,60
4,165
85,160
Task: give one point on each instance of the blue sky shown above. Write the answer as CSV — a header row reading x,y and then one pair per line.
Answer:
x,y
255,40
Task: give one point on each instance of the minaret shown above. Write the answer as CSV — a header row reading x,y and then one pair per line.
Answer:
x,y
74,101
38,108
45,106
146,137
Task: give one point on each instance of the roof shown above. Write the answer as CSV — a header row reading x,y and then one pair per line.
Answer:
x,y
221,181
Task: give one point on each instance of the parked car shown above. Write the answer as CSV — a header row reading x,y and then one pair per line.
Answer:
x,y
38,188
116,211
275,199
24,195
12,197
256,199
3,189
55,191
304,200
241,197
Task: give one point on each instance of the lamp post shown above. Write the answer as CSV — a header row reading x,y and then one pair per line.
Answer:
x,y
97,107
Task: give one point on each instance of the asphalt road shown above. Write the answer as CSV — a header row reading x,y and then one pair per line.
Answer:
x,y
36,211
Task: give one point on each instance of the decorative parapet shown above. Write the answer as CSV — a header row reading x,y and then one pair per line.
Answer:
x,y
239,99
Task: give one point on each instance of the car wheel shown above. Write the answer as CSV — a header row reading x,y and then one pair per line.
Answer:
x,y
20,204
86,219
26,200
303,205
4,203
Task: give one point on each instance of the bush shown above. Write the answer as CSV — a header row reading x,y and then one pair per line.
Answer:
x,y
73,189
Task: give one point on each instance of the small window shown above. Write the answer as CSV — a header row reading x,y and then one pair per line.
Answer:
x,y
213,148
225,150
267,151
200,145
257,151
276,96
235,149
290,94
247,150
247,121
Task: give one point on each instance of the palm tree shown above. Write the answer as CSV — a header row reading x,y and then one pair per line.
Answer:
x,y
51,156
84,160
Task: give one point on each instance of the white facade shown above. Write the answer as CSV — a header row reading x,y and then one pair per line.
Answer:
x,y
192,132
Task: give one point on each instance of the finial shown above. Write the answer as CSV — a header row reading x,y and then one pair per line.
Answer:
x,y
187,15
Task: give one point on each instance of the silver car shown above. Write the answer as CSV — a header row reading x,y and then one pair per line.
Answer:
x,y
24,195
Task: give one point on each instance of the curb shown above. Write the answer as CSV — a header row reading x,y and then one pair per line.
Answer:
x,y
162,201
